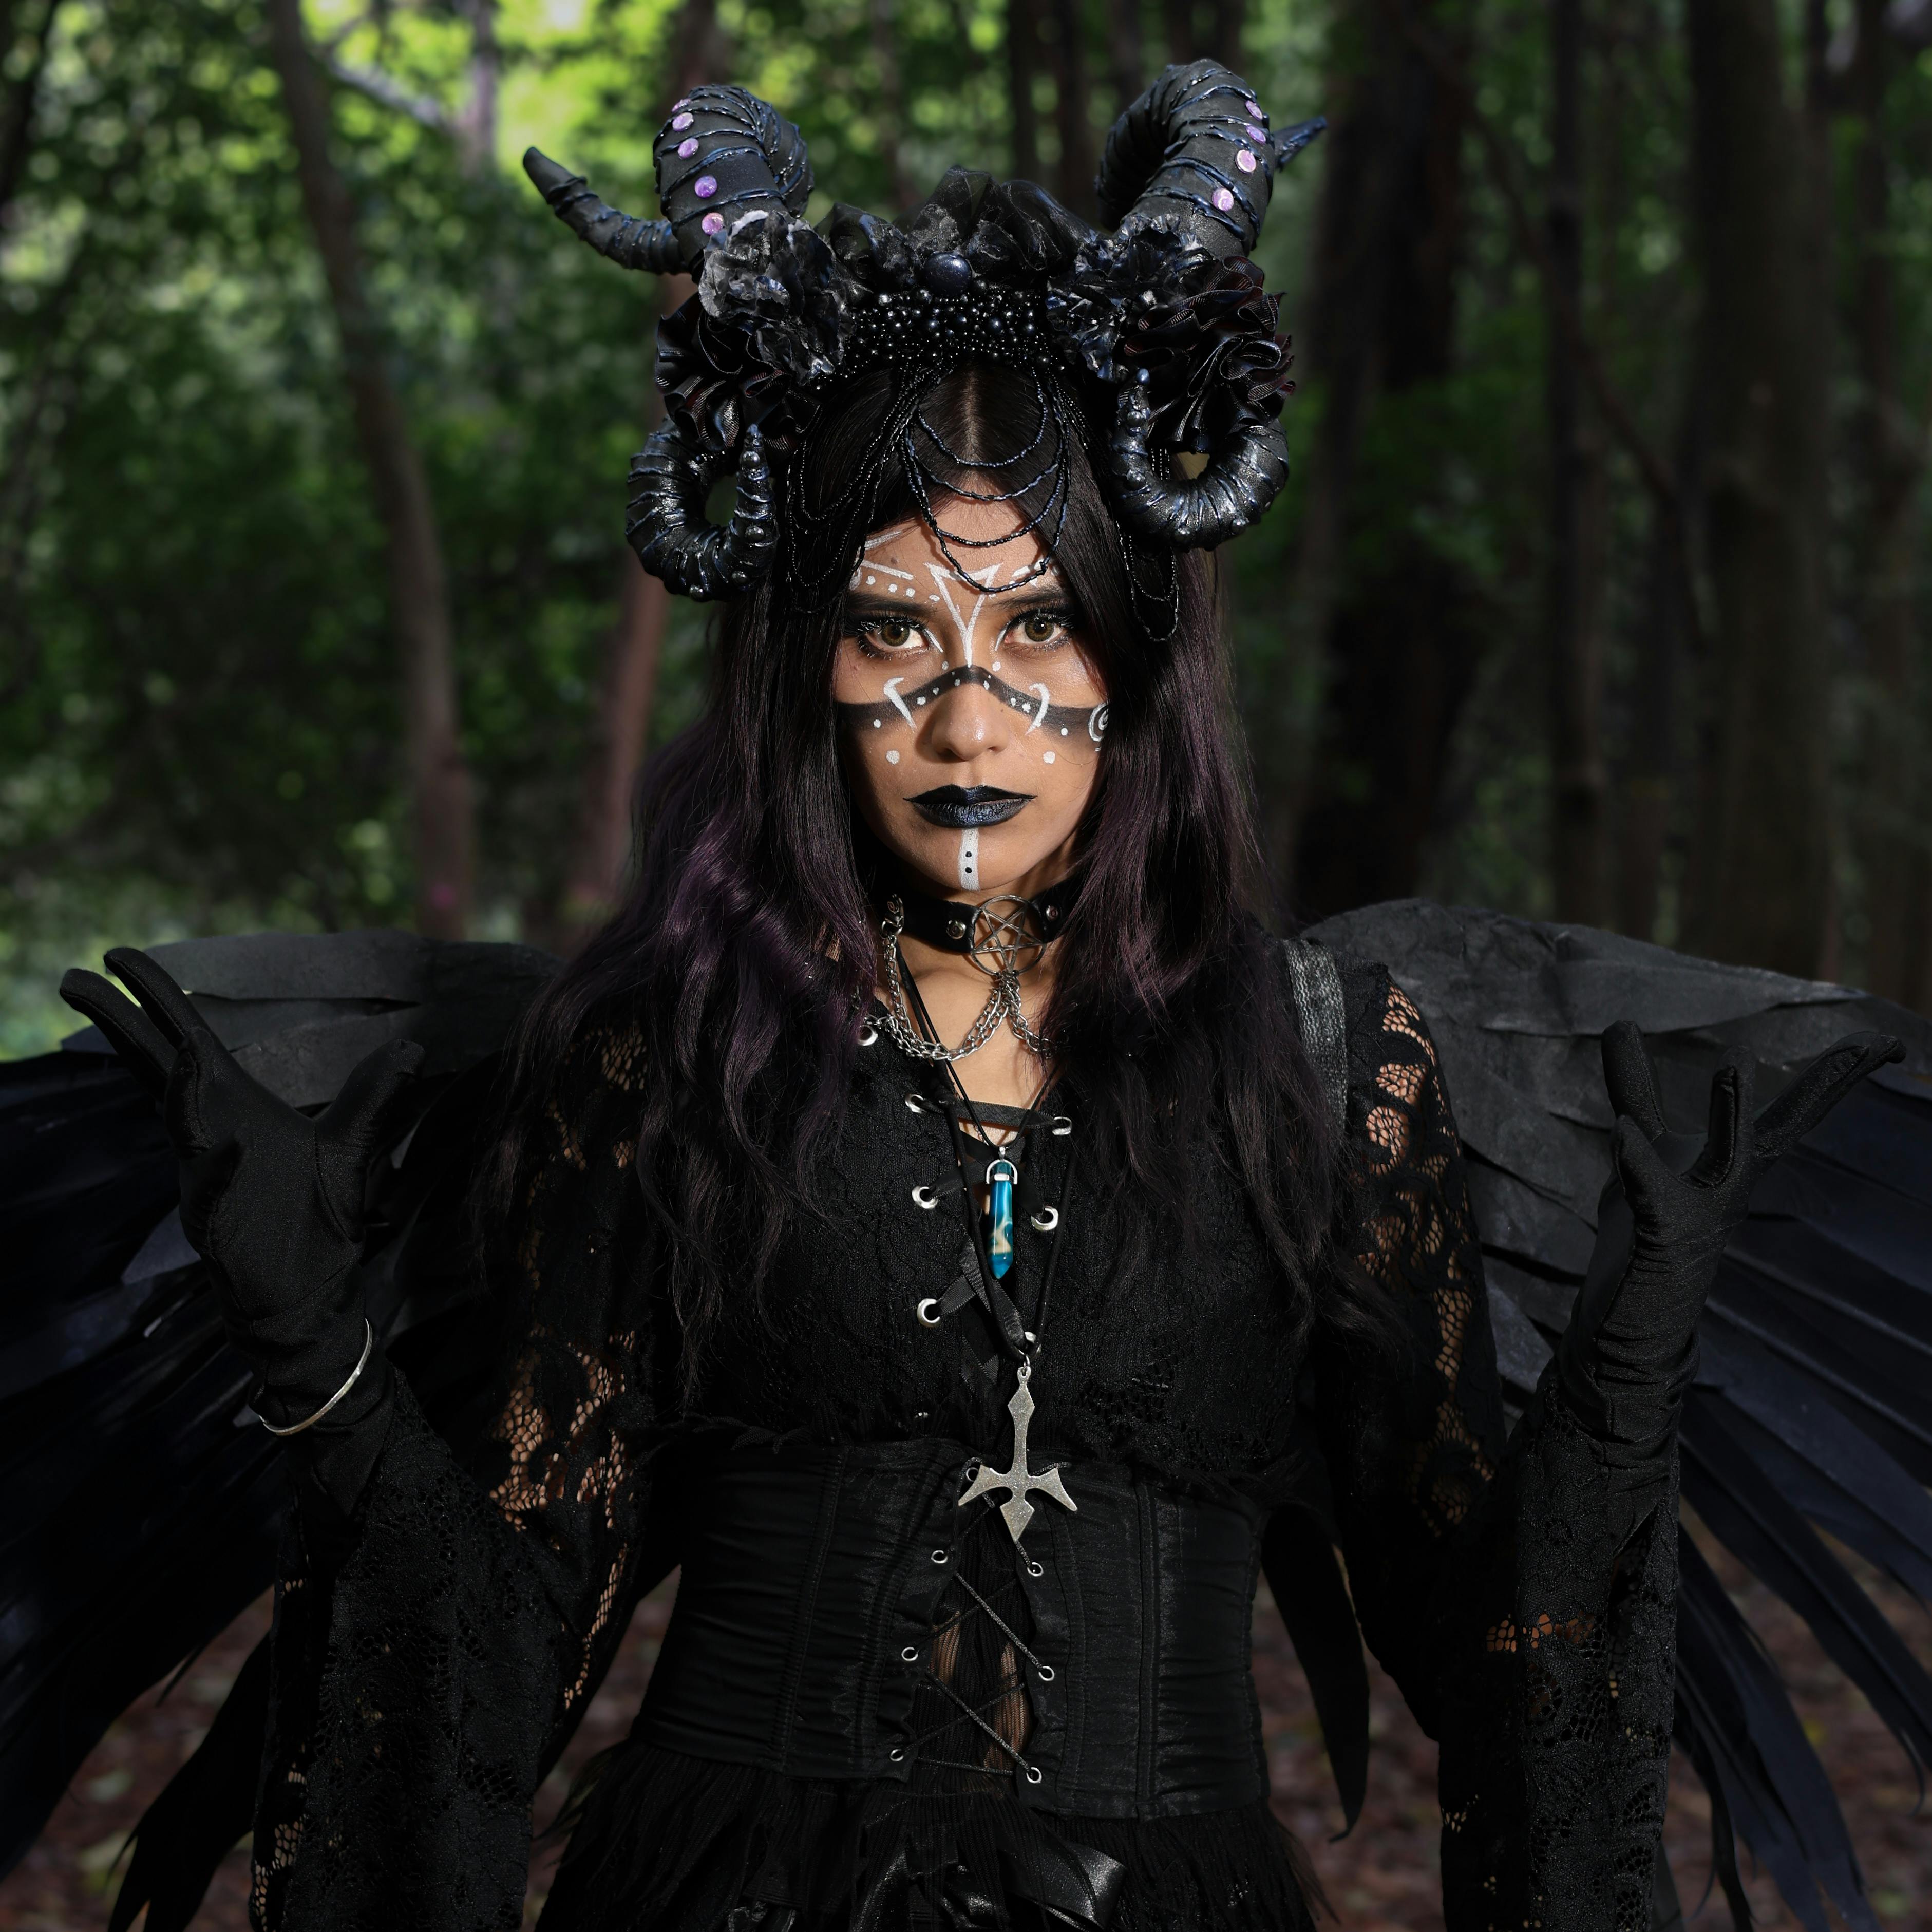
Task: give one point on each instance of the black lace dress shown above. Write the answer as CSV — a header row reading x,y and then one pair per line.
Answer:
x,y
431,1654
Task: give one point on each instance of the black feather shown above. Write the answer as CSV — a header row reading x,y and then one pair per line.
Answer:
x,y
1737,1722
1746,1510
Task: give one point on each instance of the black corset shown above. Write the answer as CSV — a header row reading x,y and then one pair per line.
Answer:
x,y
804,1628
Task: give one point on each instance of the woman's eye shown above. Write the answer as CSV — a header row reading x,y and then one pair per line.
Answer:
x,y
887,633
1041,627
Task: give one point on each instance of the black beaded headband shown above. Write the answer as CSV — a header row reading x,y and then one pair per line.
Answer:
x,y
1155,330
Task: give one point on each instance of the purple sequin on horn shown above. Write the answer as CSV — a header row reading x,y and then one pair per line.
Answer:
x,y
683,121
1254,108
705,187
687,148
1224,199
1245,161
1256,135
711,222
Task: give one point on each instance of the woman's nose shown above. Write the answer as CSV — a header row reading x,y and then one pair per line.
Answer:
x,y
966,721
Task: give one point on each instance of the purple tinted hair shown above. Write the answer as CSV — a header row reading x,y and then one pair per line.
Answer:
x,y
745,952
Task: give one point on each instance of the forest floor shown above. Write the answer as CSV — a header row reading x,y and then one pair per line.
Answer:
x,y
1381,1878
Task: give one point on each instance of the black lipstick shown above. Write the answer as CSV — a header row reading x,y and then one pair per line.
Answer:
x,y
959,808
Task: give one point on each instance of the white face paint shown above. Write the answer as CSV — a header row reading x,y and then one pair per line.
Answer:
x,y
970,787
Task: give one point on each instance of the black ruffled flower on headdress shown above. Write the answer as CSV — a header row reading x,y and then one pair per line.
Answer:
x,y
1161,319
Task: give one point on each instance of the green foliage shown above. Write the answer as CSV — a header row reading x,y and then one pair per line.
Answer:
x,y
199,720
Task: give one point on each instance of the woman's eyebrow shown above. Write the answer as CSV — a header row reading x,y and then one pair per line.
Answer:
x,y
860,604
1062,603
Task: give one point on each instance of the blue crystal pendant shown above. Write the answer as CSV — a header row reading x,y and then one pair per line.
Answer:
x,y
999,1179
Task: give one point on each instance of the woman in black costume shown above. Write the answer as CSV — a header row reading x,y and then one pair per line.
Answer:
x,y
935,1213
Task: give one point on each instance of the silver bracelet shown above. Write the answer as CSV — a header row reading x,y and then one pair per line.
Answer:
x,y
355,1375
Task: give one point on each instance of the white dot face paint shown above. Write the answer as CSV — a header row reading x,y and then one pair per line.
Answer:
x,y
1045,757
892,757
969,860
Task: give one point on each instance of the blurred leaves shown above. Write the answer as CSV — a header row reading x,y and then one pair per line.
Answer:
x,y
199,716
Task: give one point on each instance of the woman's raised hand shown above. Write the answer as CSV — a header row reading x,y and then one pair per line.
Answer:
x,y
273,1199
1672,1206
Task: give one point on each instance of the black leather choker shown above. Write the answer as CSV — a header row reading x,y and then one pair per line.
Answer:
x,y
1004,925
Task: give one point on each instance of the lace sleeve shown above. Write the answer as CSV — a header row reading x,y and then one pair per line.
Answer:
x,y
422,1688
1412,1442
1530,1627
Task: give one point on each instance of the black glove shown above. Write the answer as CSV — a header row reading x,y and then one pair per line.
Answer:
x,y
272,1199
1670,1210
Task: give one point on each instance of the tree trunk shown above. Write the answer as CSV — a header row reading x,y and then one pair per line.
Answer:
x,y
633,649
1230,15
886,58
1576,661
1898,893
1073,111
625,700
1127,47
476,124
1652,771
1178,19
1766,878
1344,820
1022,63
22,94
419,597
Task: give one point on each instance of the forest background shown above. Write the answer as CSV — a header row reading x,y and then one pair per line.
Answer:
x,y
1599,593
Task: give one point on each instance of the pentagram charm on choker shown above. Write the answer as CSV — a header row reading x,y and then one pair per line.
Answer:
x,y
1005,934
1019,1482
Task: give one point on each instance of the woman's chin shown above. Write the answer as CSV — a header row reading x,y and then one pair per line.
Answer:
x,y
983,861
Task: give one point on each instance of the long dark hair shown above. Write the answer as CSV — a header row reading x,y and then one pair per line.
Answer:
x,y
745,953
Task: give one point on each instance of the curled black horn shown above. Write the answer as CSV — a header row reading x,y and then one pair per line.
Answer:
x,y
629,240
722,155
1243,476
671,478
1195,148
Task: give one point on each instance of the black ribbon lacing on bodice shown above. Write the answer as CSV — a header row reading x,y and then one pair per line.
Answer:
x,y
976,1282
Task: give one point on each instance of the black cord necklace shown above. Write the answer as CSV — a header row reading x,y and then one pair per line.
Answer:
x,y
1020,1482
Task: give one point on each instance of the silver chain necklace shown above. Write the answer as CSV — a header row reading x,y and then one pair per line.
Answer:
x,y
1003,1002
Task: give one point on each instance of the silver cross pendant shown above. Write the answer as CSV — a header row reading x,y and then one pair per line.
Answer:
x,y
1019,1481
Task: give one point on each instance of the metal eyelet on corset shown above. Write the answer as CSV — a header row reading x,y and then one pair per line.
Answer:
x,y
1062,1126
909,1655
939,1556
869,1035
1035,1569
922,1196
927,1311
1034,1774
1046,1672
916,1103
1044,1219
897,1756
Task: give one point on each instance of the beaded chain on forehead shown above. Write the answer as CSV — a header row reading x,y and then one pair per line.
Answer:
x,y
820,545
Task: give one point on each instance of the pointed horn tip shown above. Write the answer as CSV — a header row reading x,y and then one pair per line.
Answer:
x,y
1290,141
547,176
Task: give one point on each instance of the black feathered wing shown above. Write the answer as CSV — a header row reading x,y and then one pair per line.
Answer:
x,y
146,1506
1813,1407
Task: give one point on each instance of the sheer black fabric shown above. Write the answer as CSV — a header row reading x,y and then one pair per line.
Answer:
x,y
433,1652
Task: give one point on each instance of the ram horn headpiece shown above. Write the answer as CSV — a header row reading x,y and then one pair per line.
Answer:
x,y
1160,316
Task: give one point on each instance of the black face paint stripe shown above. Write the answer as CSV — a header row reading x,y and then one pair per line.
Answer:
x,y
1088,724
